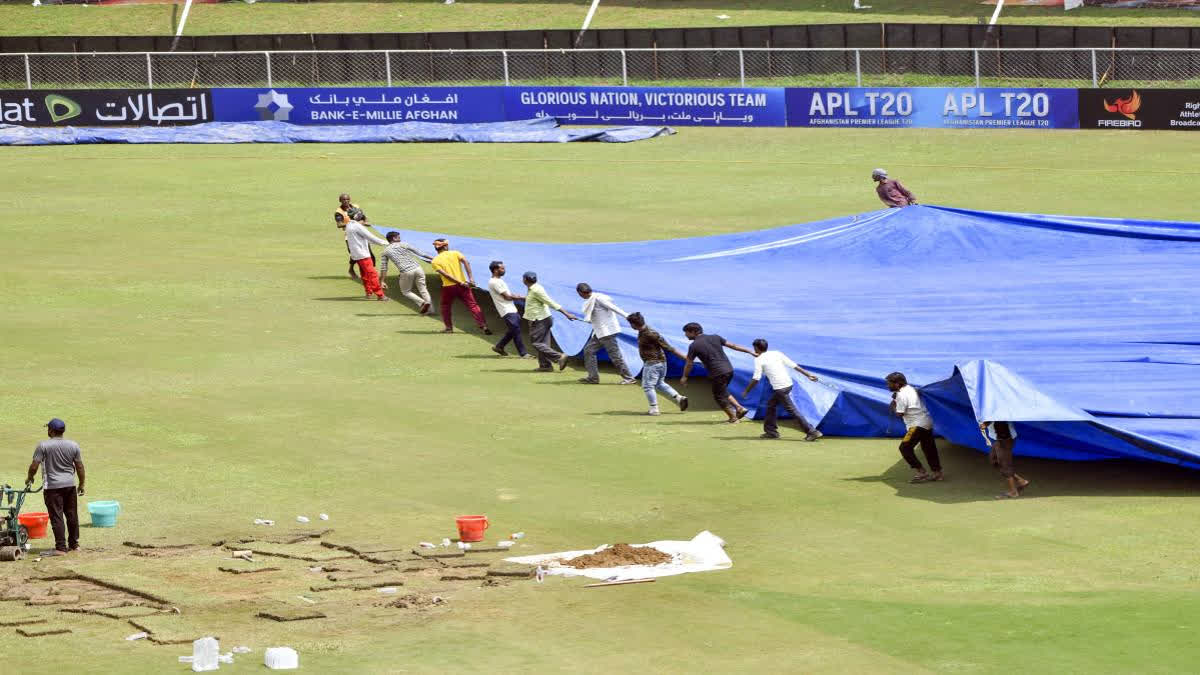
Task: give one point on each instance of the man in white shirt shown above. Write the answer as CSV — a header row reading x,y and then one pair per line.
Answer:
x,y
506,306
358,240
600,311
778,369
906,403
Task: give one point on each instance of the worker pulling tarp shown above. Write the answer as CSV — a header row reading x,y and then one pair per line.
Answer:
x,y
541,130
1081,330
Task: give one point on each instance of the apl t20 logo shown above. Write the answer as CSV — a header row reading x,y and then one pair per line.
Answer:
x,y
1128,107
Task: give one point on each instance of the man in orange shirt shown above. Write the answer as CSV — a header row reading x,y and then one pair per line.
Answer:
x,y
455,285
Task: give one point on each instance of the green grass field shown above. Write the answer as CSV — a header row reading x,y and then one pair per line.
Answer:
x,y
407,16
186,310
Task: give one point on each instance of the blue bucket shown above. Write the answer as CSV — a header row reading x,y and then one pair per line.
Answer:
x,y
104,513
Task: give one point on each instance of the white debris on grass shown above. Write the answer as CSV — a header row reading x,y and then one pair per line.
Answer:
x,y
301,519
722,16
517,535
462,546
308,600
324,516
281,658
445,542
138,636
242,649
426,544
386,589
206,653
263,521
505,544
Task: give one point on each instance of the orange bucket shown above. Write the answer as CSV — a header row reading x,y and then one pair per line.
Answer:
x,y
470,528
35,522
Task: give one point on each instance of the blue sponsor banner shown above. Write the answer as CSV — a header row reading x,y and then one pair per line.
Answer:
x,y
934,107
669,106
368,105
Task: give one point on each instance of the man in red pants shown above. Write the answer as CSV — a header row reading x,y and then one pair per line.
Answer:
x,y
358,240
455,285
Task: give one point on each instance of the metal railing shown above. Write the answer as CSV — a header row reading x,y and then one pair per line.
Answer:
x,y
834,67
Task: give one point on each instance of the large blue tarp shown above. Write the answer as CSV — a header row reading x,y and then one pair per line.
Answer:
x,y
545,130
1083,331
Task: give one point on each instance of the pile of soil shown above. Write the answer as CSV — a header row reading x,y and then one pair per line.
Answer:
x,y
415,601
618,555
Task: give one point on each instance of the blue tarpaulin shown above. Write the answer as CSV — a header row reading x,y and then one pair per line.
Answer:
x,y
1085,332
544,130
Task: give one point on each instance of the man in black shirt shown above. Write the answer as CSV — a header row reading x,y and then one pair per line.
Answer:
x,y
1001,437
710,349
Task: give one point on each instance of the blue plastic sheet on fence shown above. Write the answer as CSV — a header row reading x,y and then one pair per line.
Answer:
x,y
525,131
1082,331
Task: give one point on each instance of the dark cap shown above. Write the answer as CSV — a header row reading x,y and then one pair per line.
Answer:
x,y
56,425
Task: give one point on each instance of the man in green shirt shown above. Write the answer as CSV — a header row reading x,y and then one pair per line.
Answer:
x,y
538,305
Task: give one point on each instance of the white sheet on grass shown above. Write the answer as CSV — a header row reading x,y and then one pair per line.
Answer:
x,y
705,552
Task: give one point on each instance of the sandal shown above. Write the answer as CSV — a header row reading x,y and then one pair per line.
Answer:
x,y
920,478
1021,488
1006,496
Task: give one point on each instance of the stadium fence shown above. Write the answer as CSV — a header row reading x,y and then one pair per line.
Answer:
x,y
699,67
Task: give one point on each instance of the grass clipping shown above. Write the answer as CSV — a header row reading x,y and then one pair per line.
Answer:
x,y
619,555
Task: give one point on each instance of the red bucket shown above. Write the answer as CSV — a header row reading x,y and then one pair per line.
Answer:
x,y
470,528
35,522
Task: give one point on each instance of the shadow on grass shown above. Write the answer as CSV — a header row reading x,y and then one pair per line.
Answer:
x,y
970,478
346,298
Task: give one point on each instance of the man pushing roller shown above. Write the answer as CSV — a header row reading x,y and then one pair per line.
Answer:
x,y
62,461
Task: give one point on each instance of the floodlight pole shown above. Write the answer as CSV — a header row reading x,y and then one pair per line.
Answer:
x,y
995,17
187,7
587,21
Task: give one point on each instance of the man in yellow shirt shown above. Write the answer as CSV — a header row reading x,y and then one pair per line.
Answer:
x,y
538,304
450,266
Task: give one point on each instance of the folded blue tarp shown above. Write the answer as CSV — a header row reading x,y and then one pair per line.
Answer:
x,y
542,130
1083,331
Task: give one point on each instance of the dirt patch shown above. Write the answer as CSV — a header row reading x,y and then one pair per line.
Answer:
x,y
464,576
253,570
316,555
433,553
46,600
416,601
159,544
104,585
41,632
467,562
21,622
291,614
511,569
619,555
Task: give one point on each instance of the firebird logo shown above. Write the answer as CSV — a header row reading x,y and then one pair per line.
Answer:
x,y
1126,106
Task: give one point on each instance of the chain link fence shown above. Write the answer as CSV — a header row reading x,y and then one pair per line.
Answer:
x,y
620,67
